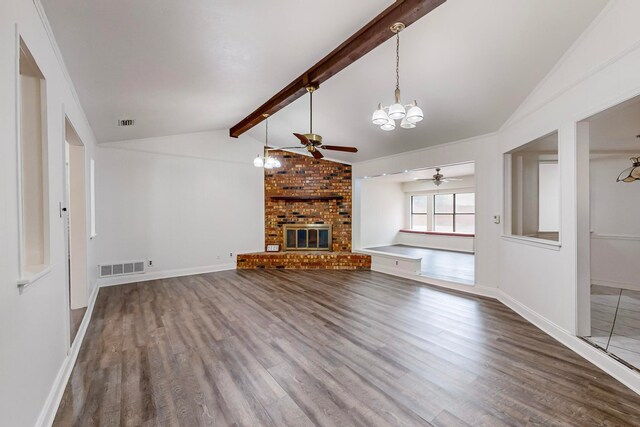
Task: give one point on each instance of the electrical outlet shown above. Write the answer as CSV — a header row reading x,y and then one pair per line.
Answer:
x,y
231,254
150,263
496,219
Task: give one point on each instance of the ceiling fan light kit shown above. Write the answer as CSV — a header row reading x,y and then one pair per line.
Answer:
x,y
409,114
266,161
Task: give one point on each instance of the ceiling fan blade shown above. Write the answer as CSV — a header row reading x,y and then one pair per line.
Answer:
x,y
317,154
451,179
303,139
340,148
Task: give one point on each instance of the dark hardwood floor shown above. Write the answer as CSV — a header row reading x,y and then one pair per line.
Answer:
x,y
334,348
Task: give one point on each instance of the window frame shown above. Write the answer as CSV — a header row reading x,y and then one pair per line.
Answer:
x,y
454,214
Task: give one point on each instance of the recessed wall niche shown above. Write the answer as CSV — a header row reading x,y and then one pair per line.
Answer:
x,y
32,175
533,189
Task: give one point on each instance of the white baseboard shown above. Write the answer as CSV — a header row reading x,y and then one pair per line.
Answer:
x,y
50,408
165,274
480,290
614,284
599,358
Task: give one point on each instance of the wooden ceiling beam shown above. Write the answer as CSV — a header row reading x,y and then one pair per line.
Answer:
x,y
372,35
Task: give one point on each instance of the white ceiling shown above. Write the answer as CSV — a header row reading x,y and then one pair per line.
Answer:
x,y
192,65
616,128
197,65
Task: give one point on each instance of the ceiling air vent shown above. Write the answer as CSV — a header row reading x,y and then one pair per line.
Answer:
x,y
126,122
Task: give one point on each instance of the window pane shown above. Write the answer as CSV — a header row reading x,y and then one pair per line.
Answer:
x,y
291,238
465,224
443,223
313,239
443,203
323,238
419,222
466,203
302,238
419,204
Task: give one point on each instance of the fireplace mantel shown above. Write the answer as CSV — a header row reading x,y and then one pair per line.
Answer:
x,y
305,197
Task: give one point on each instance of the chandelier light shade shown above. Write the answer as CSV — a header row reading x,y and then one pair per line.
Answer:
x,y
414,115
258,162
406,124
390,125
630,174
408,114
380,117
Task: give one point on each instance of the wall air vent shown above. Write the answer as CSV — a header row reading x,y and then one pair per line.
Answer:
x,y
126,122
121,269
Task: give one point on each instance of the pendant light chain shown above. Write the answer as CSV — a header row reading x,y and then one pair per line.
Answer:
x,y
398,60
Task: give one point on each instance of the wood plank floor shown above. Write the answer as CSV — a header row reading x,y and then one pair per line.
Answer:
x,y
332,348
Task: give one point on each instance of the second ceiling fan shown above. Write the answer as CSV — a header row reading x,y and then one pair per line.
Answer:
x,y
312,141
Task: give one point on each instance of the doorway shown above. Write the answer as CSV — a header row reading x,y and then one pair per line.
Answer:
x,y
609,231
75,223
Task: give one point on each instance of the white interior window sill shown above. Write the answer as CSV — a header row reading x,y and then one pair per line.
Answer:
x,y
532,241
33,273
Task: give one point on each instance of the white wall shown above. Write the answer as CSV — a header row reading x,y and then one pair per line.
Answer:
x,y
481,150
186,202
615,224
34,325
600,70
381,213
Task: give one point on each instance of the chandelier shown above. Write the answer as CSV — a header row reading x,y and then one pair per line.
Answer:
x,y
266,161
408,114
633,173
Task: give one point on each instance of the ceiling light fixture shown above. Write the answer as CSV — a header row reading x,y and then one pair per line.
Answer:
x,y
409,114
266,161
633,173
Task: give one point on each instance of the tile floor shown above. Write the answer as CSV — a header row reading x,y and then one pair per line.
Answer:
x,y
439,264
615,322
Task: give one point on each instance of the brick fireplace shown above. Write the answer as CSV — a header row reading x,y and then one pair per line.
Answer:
x,y
308,214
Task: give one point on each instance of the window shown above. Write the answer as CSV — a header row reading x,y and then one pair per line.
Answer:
x,y
32,153
419,213
454,213
533,191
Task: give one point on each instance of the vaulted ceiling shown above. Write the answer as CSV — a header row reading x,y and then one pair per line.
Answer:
x,y
195,65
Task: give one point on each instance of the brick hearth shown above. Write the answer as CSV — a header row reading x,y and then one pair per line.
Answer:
x,y
305,260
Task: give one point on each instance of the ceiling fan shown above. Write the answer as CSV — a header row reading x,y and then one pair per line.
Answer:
x,y
312,141
439,178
